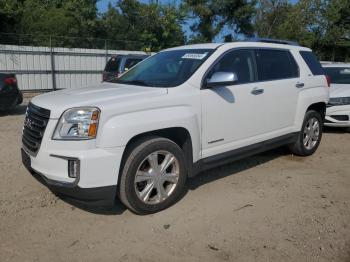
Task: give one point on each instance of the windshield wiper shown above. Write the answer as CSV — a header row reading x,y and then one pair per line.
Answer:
x,y
132,82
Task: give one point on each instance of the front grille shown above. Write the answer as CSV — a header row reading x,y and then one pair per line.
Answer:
x,y
340,117
34,127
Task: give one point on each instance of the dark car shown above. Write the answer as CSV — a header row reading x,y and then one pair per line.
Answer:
x,y
117,65
10,95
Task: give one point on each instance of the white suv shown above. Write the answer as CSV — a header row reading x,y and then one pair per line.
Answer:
x,y
175,114
338,108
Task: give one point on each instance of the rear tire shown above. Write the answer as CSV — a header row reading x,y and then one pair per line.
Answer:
x,y
309,137
153,177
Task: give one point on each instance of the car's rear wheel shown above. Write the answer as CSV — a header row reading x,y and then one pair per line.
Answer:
x,y
154,176
310,135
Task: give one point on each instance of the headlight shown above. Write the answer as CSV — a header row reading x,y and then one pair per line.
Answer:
x,y
339,101
77,124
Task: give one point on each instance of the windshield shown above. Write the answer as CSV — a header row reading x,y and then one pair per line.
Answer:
x,y
166,69
339,75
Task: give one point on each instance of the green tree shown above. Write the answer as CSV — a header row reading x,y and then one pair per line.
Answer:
x,y
134,25
71,18
323,25
269,15
211,16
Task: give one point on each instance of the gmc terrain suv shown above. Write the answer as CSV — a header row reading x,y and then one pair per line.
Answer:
x,y
173,115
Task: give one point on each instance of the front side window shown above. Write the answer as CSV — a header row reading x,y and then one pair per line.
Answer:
x,y
339,75
167,68
275,64
240,62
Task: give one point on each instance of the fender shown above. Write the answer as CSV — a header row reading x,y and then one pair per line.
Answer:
x,y
119,129
307,97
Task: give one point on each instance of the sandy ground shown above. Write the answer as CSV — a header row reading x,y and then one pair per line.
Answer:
x,y
271,207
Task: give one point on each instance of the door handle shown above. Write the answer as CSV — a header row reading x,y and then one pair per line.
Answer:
x,y
257,91
299,85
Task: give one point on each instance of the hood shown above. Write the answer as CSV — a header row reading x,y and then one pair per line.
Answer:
x,y
339,90
99,95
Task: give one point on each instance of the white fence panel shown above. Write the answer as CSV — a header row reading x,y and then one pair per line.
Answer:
x,y
42,68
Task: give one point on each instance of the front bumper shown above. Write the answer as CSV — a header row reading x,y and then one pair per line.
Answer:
x,y
96,181
338,116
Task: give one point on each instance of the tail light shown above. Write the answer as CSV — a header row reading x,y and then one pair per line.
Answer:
x,y
328,78
10,80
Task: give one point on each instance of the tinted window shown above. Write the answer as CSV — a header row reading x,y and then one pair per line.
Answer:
x,y
240,62
339,75
312,62
113,64
275,64
129,63
166,69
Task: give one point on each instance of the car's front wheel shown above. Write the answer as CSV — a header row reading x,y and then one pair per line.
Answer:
x,y
154,175
310,135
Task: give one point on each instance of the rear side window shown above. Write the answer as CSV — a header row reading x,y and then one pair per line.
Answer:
x,y
129,63
275,64
113,64
312,62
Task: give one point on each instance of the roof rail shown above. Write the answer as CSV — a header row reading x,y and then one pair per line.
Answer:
x,y
275,41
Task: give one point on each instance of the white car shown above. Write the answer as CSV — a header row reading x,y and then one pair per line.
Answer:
x,y
173,115
338,108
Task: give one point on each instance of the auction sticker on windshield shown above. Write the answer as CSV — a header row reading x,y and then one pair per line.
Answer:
x,y
194,56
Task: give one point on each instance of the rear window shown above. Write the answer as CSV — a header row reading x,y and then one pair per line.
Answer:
x,y
339,75
312,62
129,63
275,64
113,64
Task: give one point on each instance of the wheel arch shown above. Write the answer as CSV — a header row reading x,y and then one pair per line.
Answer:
x,y
311,99
179,135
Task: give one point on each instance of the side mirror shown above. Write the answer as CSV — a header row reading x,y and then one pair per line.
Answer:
x,y
221,79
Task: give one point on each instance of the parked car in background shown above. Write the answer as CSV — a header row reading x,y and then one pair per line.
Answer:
x,y
117,65
181,111
338,108
10,95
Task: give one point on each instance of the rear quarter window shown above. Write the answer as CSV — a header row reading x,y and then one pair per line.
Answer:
x,y
312,62
275,64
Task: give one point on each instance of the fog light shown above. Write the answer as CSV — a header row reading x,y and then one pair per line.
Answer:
x,y
73,168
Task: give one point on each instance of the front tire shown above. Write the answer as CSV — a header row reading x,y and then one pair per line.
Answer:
x,y
309,137
154,176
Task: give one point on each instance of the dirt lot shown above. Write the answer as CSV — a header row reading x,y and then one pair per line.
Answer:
x,y
271,207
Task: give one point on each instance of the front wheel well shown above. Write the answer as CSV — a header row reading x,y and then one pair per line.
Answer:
x,y
178,135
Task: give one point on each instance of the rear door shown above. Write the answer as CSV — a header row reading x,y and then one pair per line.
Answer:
x,y
278,77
